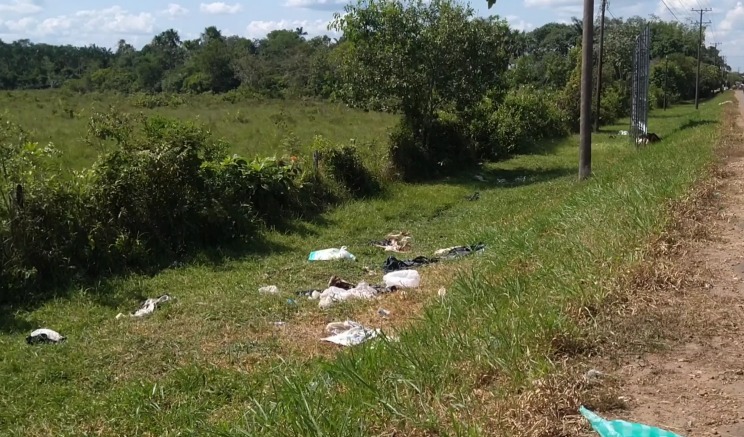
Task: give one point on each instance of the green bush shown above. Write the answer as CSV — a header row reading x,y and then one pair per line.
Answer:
x,y
345,167
446,149
166,187
524,117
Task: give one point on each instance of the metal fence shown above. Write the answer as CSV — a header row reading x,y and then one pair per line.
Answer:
x,y
639,98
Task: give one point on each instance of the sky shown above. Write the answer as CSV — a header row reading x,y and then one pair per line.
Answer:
x,y
104,22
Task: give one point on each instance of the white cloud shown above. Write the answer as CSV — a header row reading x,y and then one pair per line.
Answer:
x,y
552,3
101,22
259,29
220,8
734,18
319,5
519,24
174,10
20,7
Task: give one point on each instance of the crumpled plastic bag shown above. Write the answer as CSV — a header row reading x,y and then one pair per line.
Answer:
x,y
147,307
621,428
349,333
332,295
45,335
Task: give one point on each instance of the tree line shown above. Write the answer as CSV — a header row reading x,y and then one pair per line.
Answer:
x,y
287,63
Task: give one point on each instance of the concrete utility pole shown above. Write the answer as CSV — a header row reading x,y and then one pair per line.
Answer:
x,y
700,45
599,64
585,121
666,73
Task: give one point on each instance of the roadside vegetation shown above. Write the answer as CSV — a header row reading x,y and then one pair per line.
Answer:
x,y
206,169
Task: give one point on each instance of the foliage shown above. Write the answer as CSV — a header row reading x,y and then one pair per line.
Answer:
x,y
522,119
447,149
344,165
164,189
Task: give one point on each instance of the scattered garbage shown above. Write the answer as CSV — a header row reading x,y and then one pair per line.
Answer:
x,y
398,242
333,295
383,312
403,279
291,302
623,133
727,102
349,333
147,307
473,197
335,281
269,289
392,263
442,292
331,254
280,324
479,178
621,428
45,335
460,251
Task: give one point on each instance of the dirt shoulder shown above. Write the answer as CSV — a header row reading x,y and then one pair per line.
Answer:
x,y
694,385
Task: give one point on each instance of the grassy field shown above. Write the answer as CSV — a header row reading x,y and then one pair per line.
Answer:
x,y
256,127
213,362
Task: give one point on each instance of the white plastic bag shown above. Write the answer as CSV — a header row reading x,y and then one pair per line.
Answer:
x,y
331,254
403,279
45,335
349,333
331,295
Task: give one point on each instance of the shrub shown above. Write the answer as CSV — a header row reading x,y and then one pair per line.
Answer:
x,y
523,118
447,148
165,188
344,166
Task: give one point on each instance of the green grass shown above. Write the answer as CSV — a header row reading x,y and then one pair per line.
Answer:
x,y
211,362
254,127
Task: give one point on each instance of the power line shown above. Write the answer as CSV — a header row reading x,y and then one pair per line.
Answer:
x,y
671,11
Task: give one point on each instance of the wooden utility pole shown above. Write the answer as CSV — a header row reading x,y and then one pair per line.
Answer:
x,y
599,64
700,45
585,121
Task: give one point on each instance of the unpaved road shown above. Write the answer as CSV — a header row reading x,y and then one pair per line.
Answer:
x,y
697,387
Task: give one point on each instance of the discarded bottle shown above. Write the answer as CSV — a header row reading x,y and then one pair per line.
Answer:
x,y
621,428
331,254
402,278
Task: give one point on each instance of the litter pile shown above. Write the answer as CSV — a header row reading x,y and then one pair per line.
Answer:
x,y
397,242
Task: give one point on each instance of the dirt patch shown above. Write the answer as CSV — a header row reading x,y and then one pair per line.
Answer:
x,y
686,373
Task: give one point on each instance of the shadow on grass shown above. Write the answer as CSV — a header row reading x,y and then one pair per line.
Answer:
x,y
490,177
103,288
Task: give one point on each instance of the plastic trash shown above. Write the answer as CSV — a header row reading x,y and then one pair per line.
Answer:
x,y
332,295
45,335
269,289
331,254
147,307
349,333
403,279
383,313
621,428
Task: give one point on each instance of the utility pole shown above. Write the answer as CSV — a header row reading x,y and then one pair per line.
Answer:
x,y
599,64
700,45
666,73
585,120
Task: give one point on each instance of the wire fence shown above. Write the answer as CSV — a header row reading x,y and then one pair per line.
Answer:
x,y
639,96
